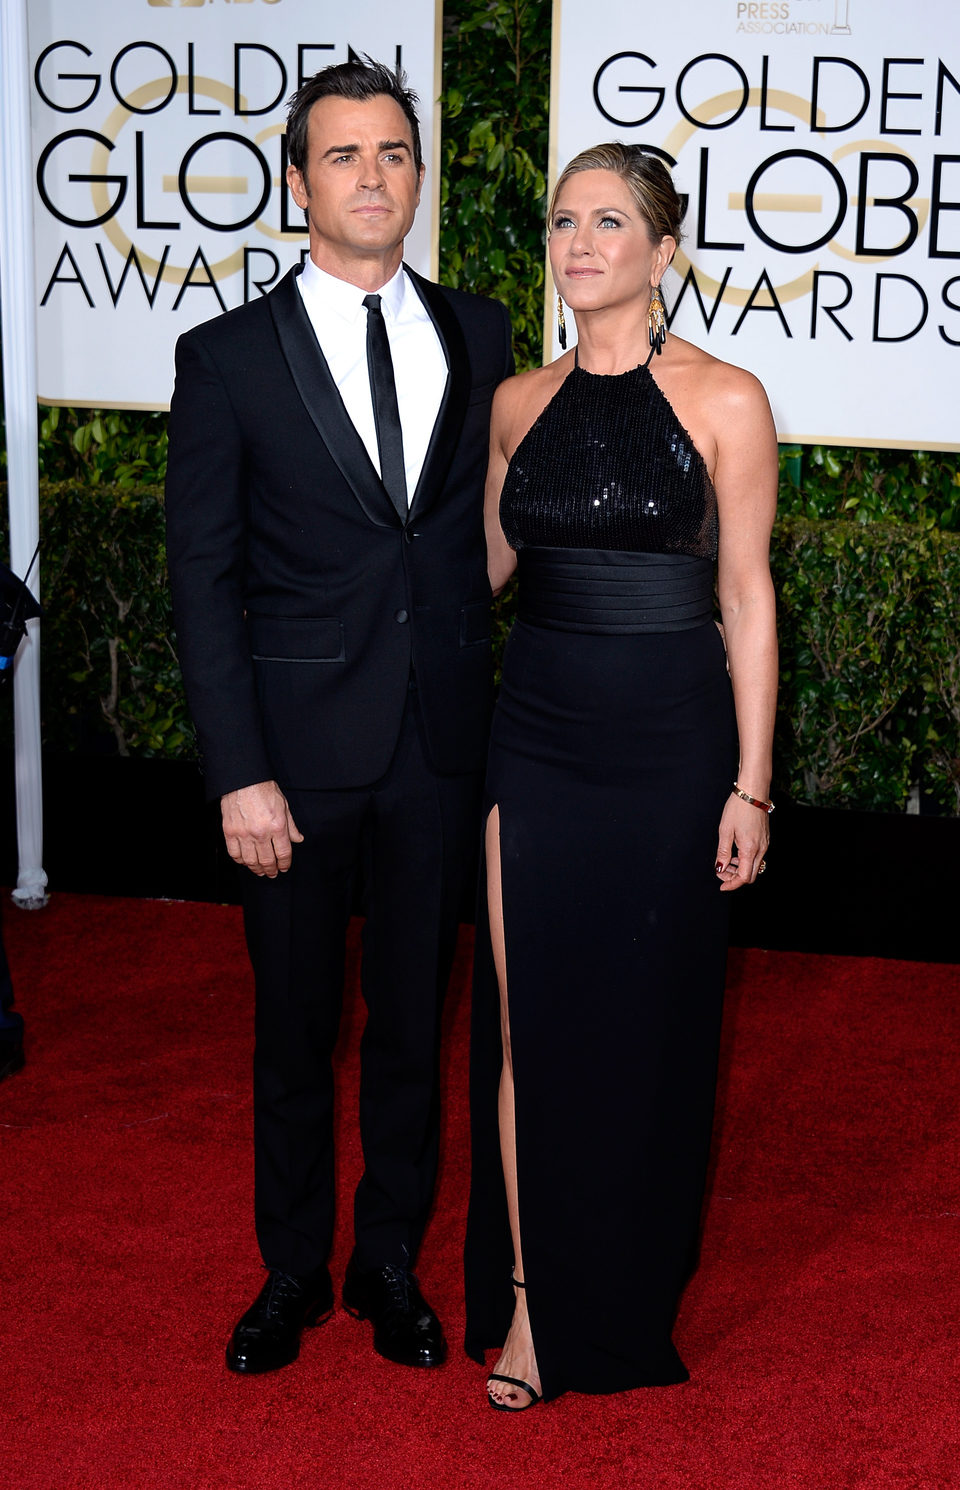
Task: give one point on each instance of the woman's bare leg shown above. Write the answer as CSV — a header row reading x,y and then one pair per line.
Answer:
x,y
518,1357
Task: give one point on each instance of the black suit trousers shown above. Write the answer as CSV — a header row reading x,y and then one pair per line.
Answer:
x,y
408,841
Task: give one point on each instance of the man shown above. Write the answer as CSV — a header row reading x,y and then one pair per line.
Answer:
x,y
327,453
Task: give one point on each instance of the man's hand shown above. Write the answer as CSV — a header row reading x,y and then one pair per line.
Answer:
x,y
259,829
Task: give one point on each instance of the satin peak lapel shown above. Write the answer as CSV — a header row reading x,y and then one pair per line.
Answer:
x,y
321,398
449,422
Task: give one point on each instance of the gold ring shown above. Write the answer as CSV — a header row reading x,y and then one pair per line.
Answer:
x,y
761,866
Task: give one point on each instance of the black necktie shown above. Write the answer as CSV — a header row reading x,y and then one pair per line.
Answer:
x,y
386,412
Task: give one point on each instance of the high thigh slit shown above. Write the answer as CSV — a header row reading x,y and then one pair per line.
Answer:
x,y
612,754
522,1371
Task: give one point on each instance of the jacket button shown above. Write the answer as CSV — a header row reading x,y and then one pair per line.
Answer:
x,y
401,616
410,535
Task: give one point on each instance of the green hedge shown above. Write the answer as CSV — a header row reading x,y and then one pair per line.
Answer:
x,y
109,672
870,645
866,560
870,676
496,58
899,486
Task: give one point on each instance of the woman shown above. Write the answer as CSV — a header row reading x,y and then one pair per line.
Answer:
x,y
627,791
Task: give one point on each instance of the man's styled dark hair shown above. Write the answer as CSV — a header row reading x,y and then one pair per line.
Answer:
x,y
357,81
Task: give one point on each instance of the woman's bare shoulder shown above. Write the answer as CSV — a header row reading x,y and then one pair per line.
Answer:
x,y
726,388
520,400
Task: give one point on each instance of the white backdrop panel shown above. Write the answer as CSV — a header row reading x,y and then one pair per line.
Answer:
x,y
163,118
818,143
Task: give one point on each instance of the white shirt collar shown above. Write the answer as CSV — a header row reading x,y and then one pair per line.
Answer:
x,y
327,294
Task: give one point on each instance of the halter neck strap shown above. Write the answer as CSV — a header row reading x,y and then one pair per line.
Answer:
x,y
644,365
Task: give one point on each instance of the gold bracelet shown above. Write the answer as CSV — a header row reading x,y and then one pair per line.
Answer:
x,y
754,801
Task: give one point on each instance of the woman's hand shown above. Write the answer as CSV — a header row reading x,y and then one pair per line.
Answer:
x,y
743,841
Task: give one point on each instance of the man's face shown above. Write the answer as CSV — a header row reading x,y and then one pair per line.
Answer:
x,y
360,187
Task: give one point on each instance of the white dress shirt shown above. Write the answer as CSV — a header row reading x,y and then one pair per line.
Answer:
x,y
339,318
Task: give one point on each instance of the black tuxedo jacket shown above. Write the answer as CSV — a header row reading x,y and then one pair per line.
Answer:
x,y
300,597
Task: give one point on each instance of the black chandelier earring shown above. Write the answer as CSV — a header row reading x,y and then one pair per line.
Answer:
x,y
561,324
657,320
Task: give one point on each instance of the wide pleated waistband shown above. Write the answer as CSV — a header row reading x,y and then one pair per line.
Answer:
x,y
607,590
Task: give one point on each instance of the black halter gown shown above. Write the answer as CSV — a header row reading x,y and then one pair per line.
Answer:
x,y
613,751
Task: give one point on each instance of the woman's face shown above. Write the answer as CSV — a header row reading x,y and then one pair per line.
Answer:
x,y
600,249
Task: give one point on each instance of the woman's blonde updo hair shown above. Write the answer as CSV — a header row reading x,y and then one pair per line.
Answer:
x,y
647,178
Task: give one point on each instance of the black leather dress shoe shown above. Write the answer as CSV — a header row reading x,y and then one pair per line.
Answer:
x,y
11,1054
405,1328
268,1335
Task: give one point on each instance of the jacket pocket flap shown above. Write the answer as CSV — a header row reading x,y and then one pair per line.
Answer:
x,y
296,638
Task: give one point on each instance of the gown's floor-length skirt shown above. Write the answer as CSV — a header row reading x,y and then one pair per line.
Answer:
x,y
611,759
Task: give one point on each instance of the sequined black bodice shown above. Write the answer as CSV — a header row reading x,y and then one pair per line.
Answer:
x,y
608,465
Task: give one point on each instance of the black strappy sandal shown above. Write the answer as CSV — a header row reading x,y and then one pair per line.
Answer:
x,y
513,1381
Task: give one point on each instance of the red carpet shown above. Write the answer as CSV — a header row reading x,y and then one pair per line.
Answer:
x,y
821,1331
